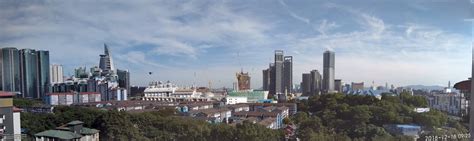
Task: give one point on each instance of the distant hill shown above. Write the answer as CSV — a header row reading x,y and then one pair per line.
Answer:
x,y
423,87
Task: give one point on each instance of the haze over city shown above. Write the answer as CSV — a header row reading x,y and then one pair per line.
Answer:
x,y
400,43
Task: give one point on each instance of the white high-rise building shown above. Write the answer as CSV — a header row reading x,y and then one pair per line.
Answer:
x,y
56,74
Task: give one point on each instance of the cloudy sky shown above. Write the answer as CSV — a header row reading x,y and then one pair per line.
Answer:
x,y
404,42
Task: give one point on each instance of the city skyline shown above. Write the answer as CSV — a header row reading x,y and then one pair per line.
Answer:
x,y
216,39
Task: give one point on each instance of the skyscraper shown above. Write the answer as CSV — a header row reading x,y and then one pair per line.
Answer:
x,y
56,74
306,84
279,89
10,70
44,81
266,79
243,81
106,62
34,73
124,79
328,71
29,77
288,74
315,82
278,78
338,85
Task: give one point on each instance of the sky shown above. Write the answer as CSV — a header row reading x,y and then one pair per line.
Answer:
x,y
206,42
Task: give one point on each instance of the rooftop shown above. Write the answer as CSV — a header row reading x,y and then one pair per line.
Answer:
x,y
64,135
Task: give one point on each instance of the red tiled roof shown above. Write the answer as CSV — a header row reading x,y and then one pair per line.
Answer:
x,y
60,94
463,85
88,93
15,109
5,94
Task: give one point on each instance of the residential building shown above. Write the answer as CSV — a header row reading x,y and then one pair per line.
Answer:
x,y
251,95
56,74
452,103
10,122
159,91
68,98
328,71
230,100
74,131
215,115
464,88
10,70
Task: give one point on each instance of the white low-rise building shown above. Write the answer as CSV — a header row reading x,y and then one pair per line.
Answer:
x,y
235,100
158,91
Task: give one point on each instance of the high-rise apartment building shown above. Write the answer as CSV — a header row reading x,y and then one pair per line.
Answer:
x,y
328,71
10,70
56,74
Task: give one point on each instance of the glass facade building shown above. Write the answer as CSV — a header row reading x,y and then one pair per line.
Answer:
x,y
10,70
34,73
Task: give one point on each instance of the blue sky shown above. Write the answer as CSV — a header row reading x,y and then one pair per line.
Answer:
x,y
400,42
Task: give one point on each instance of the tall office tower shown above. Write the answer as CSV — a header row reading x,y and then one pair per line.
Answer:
x,y
271,89
338,85
266,79
243,81
288,74
328,72
56,74
279,87
44,81
10,70
315,82
306,84
124,79
106,62
28,76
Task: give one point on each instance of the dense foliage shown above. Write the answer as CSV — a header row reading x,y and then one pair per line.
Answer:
x,y
160,125
23,102
346,117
